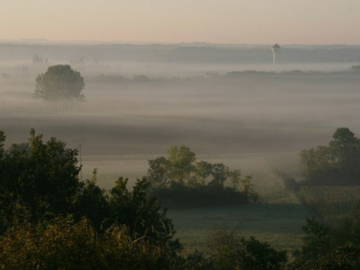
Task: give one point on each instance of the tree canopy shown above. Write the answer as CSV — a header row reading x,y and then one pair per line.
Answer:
x,y
39,180
59,82
329,247
337,163
181,166
181,175
229,250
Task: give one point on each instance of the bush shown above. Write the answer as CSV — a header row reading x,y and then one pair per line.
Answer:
x,y
230,251
142,213
66,245
329,247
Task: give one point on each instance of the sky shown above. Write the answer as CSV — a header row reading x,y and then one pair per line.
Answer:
x,y
174,21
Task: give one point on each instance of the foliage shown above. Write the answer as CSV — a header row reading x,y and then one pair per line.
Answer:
x,y
180,175
230,251
59,82
93,202
334,164
52,220
325,247
346,257
142,213
66,245
331,174
198,261
39,181
331,177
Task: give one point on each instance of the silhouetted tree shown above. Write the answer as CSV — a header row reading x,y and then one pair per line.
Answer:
x,y
60,82
337,163
181,167
230,251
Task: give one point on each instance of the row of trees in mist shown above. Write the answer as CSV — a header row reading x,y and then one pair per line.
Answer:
x,y
61,82
181,175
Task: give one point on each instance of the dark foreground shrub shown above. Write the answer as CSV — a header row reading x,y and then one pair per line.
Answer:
x,y
65,245
346,257
325,247
39,181
229,251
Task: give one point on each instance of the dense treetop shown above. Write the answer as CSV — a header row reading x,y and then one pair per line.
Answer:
x,y
181,166
337,163
39,180
181,175
60,82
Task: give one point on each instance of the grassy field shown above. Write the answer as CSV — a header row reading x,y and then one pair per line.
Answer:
x,y
279,224
278,220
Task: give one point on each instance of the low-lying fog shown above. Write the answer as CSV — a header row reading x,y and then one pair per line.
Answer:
x,y
255,121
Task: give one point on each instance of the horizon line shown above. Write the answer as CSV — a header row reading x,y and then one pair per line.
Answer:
x,y
41,41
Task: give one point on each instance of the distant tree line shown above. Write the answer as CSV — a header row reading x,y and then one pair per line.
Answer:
x,y
181,175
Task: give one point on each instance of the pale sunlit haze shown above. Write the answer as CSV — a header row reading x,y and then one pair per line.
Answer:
x,y
217,21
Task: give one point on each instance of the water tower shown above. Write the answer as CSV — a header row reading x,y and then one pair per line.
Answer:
x,y
276,52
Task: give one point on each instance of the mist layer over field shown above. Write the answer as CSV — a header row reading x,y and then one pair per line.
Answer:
x,y
134,110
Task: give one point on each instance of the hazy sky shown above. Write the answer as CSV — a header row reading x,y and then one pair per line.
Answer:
x,y
218,21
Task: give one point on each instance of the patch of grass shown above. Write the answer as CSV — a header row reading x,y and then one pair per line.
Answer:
x,y
278,224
